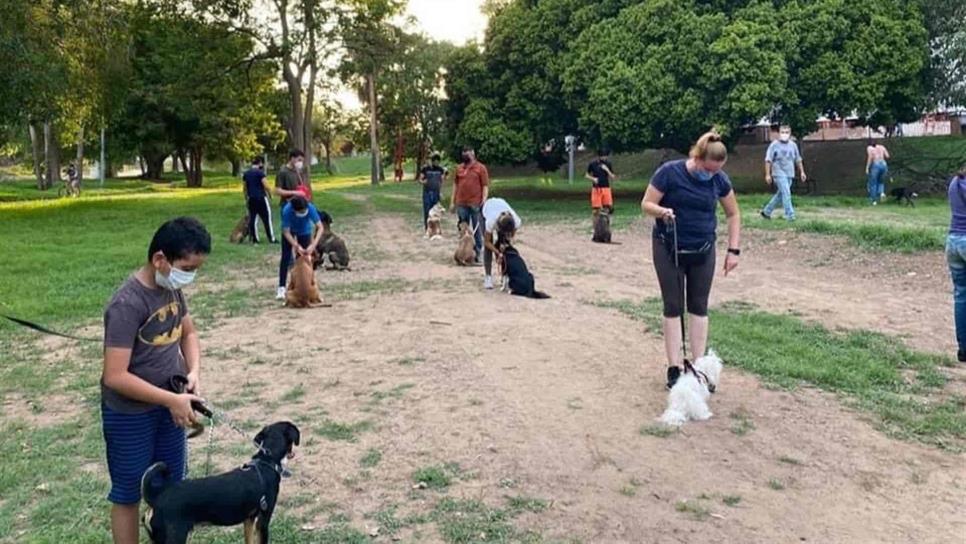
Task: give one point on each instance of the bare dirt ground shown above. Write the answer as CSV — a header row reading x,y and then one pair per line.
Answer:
x,y
546,399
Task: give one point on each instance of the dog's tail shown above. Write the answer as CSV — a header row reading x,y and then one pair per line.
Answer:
x,y
539,294
150,492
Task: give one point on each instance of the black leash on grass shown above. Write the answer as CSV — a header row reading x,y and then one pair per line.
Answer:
x,y
45,330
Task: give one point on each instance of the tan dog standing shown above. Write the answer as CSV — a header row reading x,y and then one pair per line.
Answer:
x,y
302,291
240,232
465,252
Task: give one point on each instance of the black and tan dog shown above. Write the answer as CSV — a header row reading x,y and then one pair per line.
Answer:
x,y
904,195
602,226
516,276
332,246
245,495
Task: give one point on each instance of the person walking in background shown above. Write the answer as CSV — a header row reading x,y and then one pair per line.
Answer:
x,y
600,172
781,159
431,177
470,189
876,170
258,200
956,256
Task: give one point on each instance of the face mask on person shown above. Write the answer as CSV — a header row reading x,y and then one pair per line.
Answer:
x,y
467,158
302,215
784,136
703,175
176,279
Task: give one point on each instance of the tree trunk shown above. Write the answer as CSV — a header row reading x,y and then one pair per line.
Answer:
x,y
103,162
328,155
36,151
182,156
174,162
153,165
80,156
52,152
376,164
236,168
144,171
194,172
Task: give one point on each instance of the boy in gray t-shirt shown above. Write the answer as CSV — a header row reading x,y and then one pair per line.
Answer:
x,y
149,338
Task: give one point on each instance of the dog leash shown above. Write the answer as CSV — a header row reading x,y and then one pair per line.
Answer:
x,y
684,299
46,330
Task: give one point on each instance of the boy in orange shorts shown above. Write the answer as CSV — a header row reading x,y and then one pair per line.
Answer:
x,y
601,172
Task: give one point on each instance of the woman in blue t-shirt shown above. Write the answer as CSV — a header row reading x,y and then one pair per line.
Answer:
x,y
956,256
683,197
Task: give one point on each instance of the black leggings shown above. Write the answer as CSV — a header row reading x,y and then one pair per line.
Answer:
x,y
697,280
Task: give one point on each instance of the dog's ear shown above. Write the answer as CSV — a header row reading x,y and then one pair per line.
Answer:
x,y
292,433
260,437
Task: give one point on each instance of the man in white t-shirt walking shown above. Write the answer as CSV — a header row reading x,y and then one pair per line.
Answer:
x,y
493,208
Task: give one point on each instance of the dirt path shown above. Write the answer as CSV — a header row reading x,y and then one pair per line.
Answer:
x,y
546,399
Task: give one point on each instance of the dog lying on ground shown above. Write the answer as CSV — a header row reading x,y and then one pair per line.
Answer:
x,y
433,229
332,246
465,248
904,194
240,232
245,495
302,291
688,398
602,226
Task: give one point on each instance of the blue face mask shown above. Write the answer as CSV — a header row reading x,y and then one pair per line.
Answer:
x,y
703,175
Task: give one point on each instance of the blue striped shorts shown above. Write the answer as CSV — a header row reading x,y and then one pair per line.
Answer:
x,y
137,441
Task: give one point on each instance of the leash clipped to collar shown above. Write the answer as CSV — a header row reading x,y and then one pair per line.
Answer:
x,y
45,330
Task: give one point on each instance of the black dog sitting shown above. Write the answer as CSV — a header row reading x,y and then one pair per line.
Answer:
x,y
245,495
518,277
904,194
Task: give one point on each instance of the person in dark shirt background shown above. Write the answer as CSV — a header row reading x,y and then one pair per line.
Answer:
x,y
257,197
601,172
431,177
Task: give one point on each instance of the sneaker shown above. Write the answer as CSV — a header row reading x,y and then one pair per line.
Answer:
x,y
764,215
961,355
673,373
280,293
273,241
875,202
488,282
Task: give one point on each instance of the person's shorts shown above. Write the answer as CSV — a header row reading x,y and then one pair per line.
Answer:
x,y
600,197
137,441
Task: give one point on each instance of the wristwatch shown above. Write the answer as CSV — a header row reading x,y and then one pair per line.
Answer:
x,y
734,251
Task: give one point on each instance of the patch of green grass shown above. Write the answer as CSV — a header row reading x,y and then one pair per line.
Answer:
x,y
371,458
695,509
659,430
394,393
526,504
436,476
789,460
741,422
334,430
866,368
776,484
294,394
471,521
731,500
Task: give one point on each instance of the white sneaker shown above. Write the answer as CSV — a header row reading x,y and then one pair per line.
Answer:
x,y
488,282
280,294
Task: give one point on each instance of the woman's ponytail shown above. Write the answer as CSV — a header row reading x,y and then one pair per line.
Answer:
x,y
709,147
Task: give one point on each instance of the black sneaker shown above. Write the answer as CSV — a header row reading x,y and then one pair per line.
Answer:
x,y
764,215
961,355
673,373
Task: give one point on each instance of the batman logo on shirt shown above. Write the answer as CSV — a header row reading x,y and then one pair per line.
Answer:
x,y
163,328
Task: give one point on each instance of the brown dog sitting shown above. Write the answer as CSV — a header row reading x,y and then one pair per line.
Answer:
x,y
465,249
302,291
602,226
240,232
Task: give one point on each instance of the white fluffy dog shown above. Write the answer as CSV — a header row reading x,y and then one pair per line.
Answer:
x,y
688,398
433,229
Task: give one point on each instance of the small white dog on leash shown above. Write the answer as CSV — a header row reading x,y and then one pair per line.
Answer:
x,y
688,398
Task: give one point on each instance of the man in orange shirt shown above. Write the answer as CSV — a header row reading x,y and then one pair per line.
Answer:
x,y
470,189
